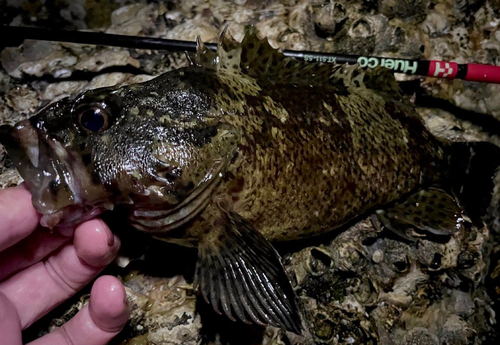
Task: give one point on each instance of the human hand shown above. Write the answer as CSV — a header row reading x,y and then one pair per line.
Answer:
x,y
40,270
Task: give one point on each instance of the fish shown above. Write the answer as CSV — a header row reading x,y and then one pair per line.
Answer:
x,y
242,148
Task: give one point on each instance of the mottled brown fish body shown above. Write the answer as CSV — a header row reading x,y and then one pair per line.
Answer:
x,y
310,160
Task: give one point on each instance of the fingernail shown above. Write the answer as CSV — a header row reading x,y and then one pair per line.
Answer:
x,y
116,244
111,239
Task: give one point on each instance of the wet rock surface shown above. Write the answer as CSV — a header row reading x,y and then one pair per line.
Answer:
x,y
361,285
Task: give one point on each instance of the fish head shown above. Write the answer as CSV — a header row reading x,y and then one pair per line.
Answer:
x,y
50,150
83,155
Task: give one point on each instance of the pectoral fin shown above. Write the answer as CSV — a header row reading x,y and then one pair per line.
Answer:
x,y
432,210
240,274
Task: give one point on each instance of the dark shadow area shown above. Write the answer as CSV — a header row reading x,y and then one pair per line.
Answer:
x,y
485,121
154,257
234,333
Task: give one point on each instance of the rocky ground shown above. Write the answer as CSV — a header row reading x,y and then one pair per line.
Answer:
x,y
362,286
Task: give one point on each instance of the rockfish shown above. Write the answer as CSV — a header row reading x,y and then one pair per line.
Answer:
x,y
242,148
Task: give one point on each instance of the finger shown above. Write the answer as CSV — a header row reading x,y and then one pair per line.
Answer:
x,y
29,251
92,241
37,246
10,327
19,218
41,287
98,322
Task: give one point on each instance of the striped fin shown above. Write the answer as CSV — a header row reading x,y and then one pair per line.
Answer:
x,y
240,274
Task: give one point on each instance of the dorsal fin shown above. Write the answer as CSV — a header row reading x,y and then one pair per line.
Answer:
x,y
256,58
205,57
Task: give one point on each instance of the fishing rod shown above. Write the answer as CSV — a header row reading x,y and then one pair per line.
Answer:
x,y
14,35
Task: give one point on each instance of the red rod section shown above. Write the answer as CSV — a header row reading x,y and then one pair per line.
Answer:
x,y
483,73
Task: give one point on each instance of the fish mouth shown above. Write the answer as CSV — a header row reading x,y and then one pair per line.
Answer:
x,y
51,173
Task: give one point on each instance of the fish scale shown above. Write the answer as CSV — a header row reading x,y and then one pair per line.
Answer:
x,y
319,152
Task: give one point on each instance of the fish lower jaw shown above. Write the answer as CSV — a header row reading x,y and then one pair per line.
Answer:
x,y
72,215
51,220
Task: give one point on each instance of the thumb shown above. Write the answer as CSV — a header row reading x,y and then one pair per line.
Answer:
x,y
10,327
98,322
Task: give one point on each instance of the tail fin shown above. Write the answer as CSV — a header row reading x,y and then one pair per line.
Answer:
x,y
475,178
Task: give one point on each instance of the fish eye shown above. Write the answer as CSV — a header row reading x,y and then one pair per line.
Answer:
x,y
93,119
